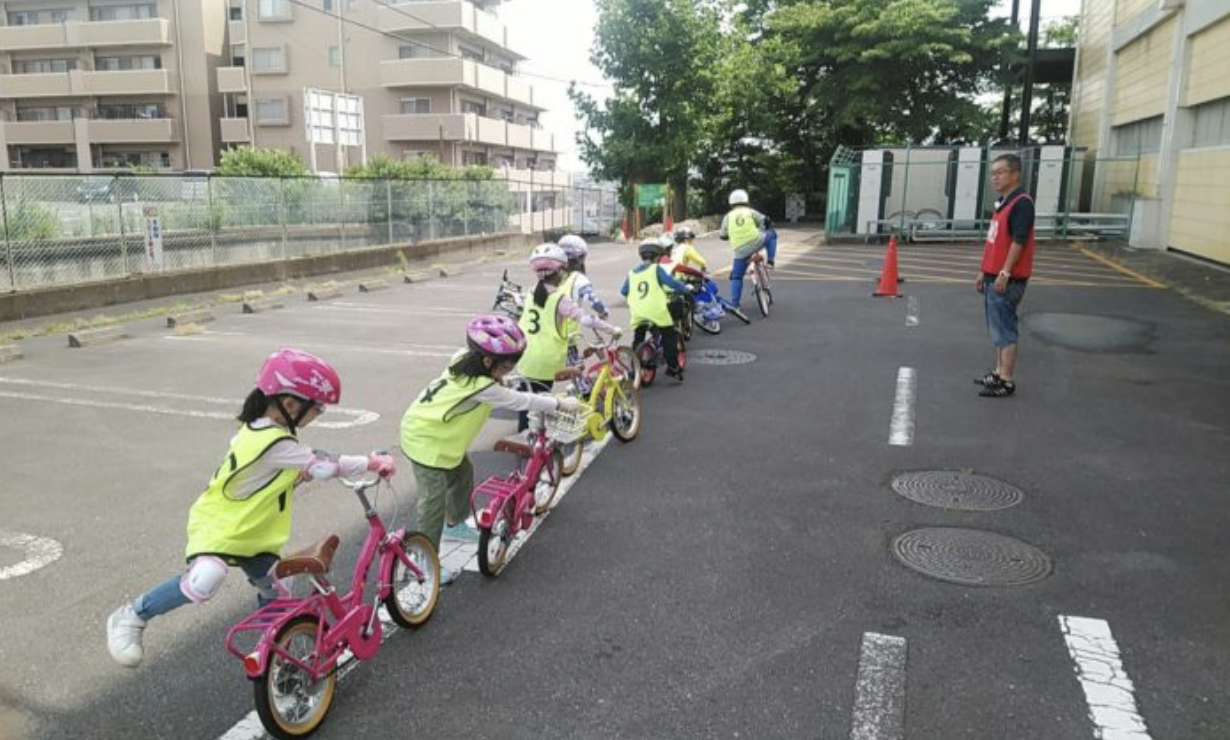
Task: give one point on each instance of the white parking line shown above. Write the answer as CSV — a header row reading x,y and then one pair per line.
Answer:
x,y
879,695
457,559
39,551
901,428
1108,690
326,344
360,416
911,311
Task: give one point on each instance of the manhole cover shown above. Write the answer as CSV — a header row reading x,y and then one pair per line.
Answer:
x,y
971,557
720,357
950,489
1090,332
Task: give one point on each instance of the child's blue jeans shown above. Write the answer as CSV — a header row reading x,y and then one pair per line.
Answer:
x,y
167,595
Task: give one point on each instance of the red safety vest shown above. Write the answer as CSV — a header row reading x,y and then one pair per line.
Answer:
x,y
999,241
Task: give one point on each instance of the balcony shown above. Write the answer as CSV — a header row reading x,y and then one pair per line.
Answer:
x,y
237,31
459,16
39,132
449,72
76,34
235,130
232,80
78,82
142,131
467,127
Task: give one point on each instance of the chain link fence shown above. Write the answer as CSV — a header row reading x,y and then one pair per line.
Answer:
x,y
67,229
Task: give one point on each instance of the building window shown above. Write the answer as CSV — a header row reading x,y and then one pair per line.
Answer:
x,y
327,5
43,66
1141,137
34,157
271,111
131,111
468,53
61,16
114,64
124,160
1212,123
469,106
39,17
507,115
49,113
135,11
267,60
335,56
416,153
414,106
236,13
273,9
474,158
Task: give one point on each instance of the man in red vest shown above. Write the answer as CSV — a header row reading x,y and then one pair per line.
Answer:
x,y
1007,262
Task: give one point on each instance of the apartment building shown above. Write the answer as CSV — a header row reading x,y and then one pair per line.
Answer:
x,y
1153,87
102,84
435,77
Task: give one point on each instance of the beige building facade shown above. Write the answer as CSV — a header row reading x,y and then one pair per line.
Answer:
x,y
90,85
1151,101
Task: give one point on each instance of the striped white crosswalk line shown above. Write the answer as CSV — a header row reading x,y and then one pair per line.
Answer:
x,y
1108,690
901,426
879,699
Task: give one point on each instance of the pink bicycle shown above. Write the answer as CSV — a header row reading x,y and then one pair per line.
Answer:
x,y
302,641
505,506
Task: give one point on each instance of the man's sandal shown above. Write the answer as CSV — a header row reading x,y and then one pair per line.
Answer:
x,y
991,378
998,390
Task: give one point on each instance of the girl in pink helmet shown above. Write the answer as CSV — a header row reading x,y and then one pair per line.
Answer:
x,y
243,518
443,421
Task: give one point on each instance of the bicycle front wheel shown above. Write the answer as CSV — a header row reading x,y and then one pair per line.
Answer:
x,y
709,326
626,417
289,702
411,601
546,488
762,300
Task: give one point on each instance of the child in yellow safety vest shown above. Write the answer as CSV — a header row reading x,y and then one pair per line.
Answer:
x,y
549,318
443,421
748,231
650,305
243,518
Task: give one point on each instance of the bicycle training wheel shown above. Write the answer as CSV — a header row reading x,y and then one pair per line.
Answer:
x,y
411,602
626,415
289,702
494,541
547,486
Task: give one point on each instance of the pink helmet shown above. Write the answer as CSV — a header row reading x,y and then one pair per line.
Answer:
x,y
548,257
498,336
299,374
574,246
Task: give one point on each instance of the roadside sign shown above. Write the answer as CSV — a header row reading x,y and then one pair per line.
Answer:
x,y
650,195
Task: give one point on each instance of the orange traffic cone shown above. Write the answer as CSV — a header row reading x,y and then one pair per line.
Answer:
x,y
668,224
888,276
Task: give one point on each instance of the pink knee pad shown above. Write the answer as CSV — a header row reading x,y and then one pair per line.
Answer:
x,y
203,578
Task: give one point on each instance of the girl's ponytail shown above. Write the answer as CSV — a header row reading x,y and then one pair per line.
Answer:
x,y
254,406
541,294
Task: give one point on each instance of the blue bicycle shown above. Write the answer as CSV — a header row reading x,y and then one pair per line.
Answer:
x,y
711,307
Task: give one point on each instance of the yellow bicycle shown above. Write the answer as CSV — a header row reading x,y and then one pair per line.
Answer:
x,y
610,387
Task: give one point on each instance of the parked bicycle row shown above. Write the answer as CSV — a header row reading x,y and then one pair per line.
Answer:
x,y
515,359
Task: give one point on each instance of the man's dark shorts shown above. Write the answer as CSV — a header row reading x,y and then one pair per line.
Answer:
x,y
1001,310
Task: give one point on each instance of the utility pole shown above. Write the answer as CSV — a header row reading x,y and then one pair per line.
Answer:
x,y
1006,113
1027,94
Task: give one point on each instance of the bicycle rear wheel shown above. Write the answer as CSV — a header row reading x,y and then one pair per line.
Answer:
x,y
762,299
573,453
494,541
546,488
647,360
411,602
289,703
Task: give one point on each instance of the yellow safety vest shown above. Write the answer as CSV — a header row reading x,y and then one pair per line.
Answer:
x,y
647,300
741,227
546,350
222,525
441,424
571,326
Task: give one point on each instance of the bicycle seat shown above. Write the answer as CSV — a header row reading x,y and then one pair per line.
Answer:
x,y
315,560
517,445
569,373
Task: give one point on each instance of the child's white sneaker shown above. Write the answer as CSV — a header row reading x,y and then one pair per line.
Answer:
x,y
124,630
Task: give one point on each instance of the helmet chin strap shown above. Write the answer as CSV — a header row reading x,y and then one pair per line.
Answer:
x,y
292,421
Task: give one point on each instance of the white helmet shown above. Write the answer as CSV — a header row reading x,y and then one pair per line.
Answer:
x,y
547,258
738,197
574,246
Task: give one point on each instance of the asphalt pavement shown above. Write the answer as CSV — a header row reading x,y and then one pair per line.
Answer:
x,y
730,573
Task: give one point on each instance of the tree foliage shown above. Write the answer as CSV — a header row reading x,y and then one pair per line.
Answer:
x,y
382,167
249,161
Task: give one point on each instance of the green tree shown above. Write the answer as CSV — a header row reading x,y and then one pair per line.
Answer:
x,y
382,167
254,162
661,56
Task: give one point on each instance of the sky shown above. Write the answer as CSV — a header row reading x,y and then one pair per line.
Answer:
x,y
557,35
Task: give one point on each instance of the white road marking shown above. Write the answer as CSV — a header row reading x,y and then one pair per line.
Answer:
x,y
250,727
879,694
329,344
1108,690
39,551
360,416
901,428
911,311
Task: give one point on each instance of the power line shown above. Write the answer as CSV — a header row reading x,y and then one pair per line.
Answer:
x,y
443,52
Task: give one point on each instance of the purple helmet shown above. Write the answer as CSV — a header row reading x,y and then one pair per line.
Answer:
x,y
496,336
574,246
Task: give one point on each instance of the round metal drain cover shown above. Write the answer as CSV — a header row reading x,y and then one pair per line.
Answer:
x,y
951,489
971,557
720,357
